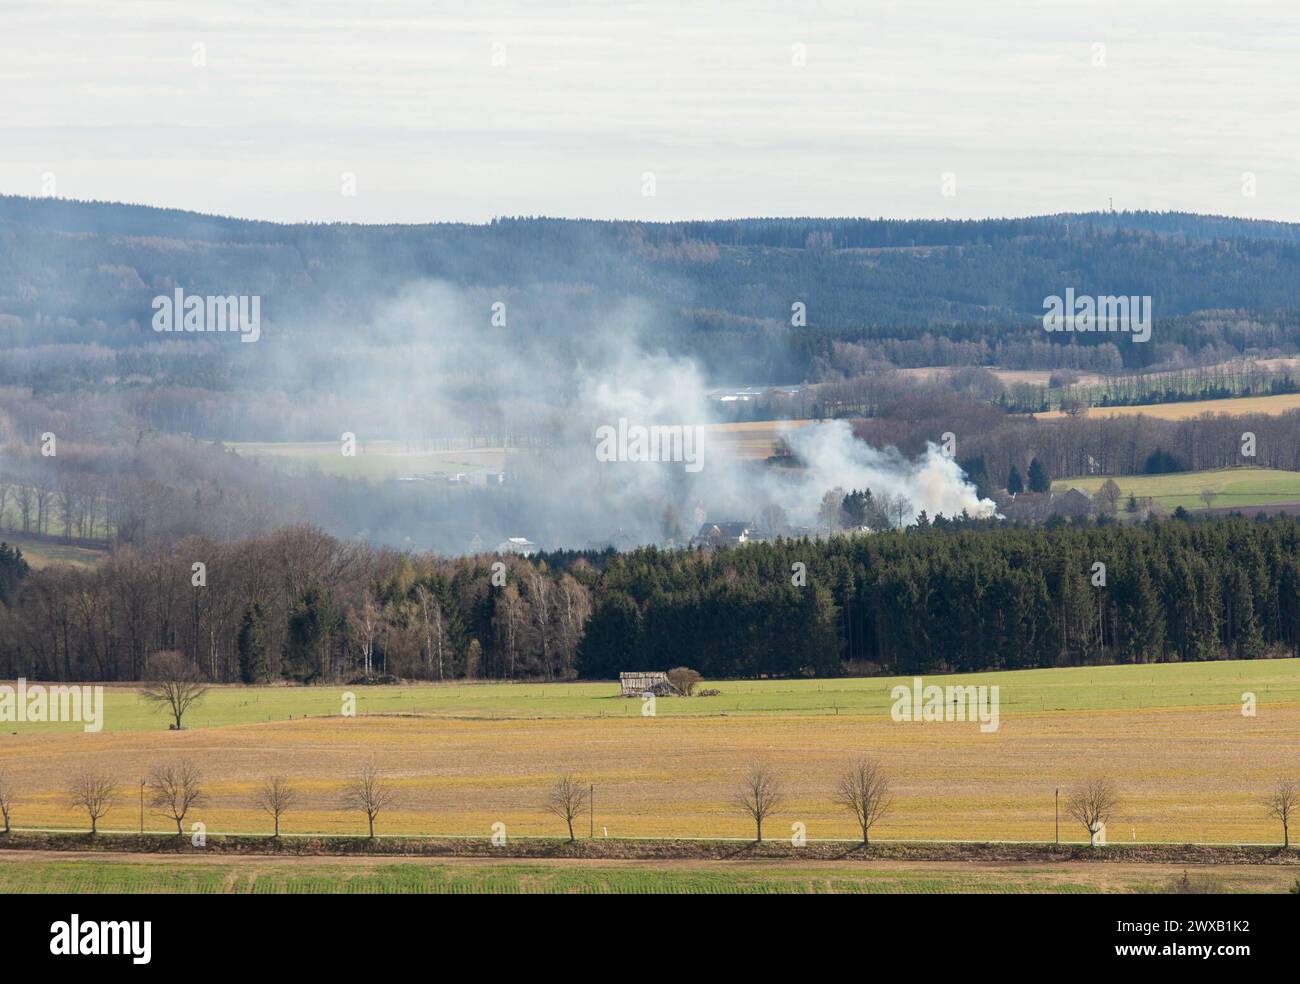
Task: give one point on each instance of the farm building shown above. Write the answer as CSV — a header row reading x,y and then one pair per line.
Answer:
x,y
728,534
1039,506
636,684
517,545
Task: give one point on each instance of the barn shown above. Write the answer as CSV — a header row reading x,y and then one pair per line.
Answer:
x,y
636,684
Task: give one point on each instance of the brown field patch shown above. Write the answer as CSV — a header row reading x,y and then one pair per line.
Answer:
x,y
1187,774
1270,405
750,439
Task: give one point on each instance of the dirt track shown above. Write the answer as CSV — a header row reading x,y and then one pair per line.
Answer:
x,y
657,851
886,875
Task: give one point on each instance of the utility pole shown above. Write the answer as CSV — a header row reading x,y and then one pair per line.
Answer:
x,y
142,783
1058,814
591,812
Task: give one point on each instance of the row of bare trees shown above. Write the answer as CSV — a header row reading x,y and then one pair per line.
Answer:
x,y
176,788
864,790
69,504
277,605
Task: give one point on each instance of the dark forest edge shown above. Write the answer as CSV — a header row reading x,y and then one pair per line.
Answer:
x,y
944,596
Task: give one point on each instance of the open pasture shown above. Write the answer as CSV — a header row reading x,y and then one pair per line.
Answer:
x,y
1190,765
377,460
1234,488
21,874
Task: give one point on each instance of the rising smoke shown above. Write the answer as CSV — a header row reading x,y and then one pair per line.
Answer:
x,y
435,366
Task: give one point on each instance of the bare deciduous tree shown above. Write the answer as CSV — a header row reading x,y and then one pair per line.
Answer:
x,y
864,790
1093,804
94,792
369,793
1108,496
1281,804
683,680
759,796
174,789
6,799
176,684
567,799
275,797
435,633
1208,496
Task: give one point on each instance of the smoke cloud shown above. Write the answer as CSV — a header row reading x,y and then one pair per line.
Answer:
x,y
547,373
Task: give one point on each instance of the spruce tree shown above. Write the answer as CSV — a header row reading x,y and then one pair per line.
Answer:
x,y
1039,480
254,664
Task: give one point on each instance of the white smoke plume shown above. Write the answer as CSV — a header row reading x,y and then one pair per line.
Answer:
x,y
432,366
834,458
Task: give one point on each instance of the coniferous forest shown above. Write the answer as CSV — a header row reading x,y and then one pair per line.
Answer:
x,y
942,596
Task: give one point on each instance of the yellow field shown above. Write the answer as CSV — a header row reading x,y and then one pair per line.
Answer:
x,y
1271,405
1008,377
1186,773
391,459
750,438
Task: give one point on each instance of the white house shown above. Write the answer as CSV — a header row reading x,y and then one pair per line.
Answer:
x,y
517,545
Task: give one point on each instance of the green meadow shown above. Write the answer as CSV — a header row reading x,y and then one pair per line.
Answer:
x,y
1235,488
304,876
1021,691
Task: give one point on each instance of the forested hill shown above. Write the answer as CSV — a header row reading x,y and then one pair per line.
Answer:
x,y
721,291
945,597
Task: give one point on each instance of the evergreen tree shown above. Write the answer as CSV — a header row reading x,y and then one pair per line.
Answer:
x,y
977,473
254,663
612,640
1039,480
308,644
1015,484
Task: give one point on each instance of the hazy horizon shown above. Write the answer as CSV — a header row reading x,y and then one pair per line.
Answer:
x,y
462,112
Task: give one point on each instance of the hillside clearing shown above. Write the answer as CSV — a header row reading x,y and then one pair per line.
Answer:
x,y
1271,405
1235,488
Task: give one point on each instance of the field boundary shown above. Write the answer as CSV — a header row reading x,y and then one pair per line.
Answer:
x,y
629,849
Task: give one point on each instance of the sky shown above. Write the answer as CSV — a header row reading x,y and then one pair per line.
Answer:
x,y
398,111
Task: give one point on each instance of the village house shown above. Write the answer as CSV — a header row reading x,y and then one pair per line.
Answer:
x,y
727,534
1041,506
517,545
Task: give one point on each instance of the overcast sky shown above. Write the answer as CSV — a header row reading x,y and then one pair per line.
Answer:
x,y
463,111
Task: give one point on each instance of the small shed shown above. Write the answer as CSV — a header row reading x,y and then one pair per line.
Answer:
x,y
636,684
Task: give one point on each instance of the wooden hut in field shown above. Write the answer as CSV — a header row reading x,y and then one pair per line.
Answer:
x,y
636,684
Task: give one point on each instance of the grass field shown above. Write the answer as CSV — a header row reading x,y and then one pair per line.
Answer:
x,y
41,553
376,460
379,460
1240,488
89,874
1191,766
1271,405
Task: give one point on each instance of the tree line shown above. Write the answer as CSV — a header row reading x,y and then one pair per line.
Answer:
x,y
950,596
864,789
945,595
